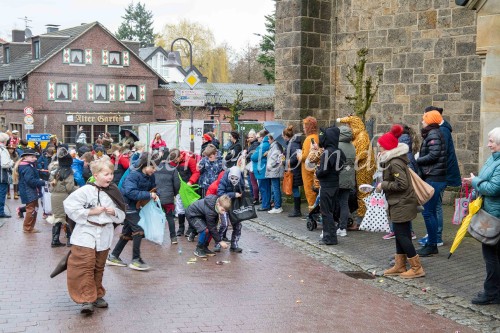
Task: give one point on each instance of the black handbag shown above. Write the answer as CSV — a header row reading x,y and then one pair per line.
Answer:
x,y
242,209
485,228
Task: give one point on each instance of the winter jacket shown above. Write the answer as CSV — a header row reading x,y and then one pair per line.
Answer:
x,y
347,176
121,163
30,183
6,165
292,162
259,159
487,184
187,167
136,186
204,209
43,164
251,149
156,145
77,167
168,183
226,187
209,171
233,153
60,190
453,177
397,185
214,187
432,159
412,163
274,164
332,159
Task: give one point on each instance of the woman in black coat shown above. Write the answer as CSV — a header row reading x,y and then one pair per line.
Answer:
x,y
234,150
292,163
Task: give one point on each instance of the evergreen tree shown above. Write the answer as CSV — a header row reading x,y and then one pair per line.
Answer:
x,y
137,24
266,56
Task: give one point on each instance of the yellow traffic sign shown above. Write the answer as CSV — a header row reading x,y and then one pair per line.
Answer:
x,y
192,79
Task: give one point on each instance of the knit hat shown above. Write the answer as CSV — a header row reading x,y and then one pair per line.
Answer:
x,y
207,137
389,140
432,117
432,108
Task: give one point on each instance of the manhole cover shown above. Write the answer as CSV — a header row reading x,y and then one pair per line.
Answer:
x,y
359,275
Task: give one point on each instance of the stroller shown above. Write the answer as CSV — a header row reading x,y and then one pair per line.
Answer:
x,y
314,217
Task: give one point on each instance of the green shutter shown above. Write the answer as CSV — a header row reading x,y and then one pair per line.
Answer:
x,y
90,92
66,56
74,91
51,91
142,93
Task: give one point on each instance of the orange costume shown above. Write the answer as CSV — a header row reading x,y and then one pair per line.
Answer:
x,y
311,130
365,158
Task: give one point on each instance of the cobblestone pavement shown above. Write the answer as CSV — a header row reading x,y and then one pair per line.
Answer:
x,y
268,288
449,283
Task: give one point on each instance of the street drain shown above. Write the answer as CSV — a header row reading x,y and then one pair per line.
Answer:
x,y
359,275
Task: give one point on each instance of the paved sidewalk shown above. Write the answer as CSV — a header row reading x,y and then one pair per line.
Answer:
x,y
448,283
267,288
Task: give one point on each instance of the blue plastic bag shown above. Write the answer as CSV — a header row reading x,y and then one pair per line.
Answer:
x,y
153,221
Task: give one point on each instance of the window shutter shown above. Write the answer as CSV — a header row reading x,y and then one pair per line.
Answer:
x,y
121,92
74,91
88,56
51,91
142,93
90,91
112,95
105,58
66,56
126,58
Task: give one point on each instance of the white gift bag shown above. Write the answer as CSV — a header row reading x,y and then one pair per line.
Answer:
x,y
46,200
375,219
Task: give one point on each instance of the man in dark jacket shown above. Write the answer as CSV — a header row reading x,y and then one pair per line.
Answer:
x,y
331,162
30,186
203,216
137,191
234,150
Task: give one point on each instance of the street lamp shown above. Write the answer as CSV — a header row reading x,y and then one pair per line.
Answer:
x,y
173,62
212,101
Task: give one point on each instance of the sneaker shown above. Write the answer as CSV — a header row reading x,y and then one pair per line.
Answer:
x,y
422,241
390,235
341,232
179,233
139,265
191,237
200,252
440,244
217,248
100,303
115,261
276,211
236,249
483,299
173,240
427,250
413,236
208,252
87,308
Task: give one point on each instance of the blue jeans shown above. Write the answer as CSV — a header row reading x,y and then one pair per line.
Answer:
x,y
439,213
276,188
430,212
265,192
295,192
3,192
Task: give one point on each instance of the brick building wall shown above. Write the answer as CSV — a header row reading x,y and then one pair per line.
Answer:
x,y
425,48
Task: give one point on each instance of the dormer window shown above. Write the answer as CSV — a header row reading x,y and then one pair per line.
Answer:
x,y
36,50
77,56
115,58
7,55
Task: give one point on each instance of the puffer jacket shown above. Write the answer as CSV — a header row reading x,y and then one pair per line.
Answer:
x,y
226,187
274,164
233,153
209,171
259,159
168,183
251,149
136,186
205,209
397,185
347,176
487,184
453,177
432,159
331,160
292,162
30,184
77,167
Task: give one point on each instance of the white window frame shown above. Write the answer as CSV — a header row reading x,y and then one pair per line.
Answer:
x,y
82,53
56,95
136,94
120,58
106,99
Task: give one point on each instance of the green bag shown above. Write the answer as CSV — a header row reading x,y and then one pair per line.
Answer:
x,y
188,193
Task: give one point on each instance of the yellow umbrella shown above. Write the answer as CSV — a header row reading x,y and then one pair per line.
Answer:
x,y
474,207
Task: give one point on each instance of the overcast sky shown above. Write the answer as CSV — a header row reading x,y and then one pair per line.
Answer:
x,y
231,21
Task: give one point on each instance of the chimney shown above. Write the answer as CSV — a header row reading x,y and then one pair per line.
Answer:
x,y
52,28
18,36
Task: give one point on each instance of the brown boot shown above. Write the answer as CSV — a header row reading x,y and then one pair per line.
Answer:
x,y
416,270
399,266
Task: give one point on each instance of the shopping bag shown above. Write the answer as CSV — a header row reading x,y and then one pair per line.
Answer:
x,y
375,218
485,228
288,183
242,209
461,205
46,200
153,221
188,193
423,190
